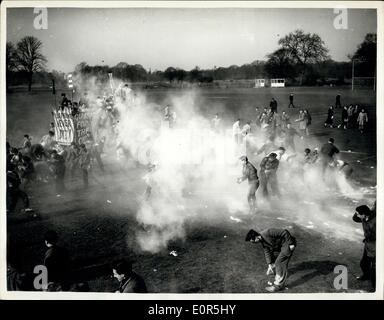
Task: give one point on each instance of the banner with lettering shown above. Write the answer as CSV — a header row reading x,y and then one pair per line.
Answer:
x,y
64,126
82,125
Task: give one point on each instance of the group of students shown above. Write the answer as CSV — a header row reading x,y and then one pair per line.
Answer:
x,y
351,117
48,161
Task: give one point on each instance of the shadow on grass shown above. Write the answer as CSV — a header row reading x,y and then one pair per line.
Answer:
x,y
318,268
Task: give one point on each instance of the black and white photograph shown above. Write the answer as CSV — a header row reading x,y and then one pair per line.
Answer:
x,y
191,148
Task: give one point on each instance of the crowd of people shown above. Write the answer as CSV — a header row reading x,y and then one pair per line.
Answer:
x,y
277,132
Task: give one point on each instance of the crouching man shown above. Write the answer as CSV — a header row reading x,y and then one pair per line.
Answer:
x,y
274,241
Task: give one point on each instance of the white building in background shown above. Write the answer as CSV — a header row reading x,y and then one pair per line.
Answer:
x,y
277,83
259,83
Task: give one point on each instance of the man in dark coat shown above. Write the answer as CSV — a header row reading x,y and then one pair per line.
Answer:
x,y
338,102
273,241
328,151
367,218
56,260
291,101
250,174
130,282
268,169
273,105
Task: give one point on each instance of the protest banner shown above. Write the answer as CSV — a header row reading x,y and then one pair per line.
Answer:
x,y
64,126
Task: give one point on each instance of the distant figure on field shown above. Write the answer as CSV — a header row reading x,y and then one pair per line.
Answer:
x,y
273,105
329,120
344,118
338,102
291,101
362,120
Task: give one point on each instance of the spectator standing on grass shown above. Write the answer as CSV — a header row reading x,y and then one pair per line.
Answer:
x,y
362,120
328,151
344,118
273,105
291,101
329,120
278,246
57,167
84,162
367,218
130,282
56,260
338,101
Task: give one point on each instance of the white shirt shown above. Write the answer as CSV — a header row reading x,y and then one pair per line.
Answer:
x,y
236,128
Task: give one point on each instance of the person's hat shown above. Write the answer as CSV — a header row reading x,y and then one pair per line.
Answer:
x,y
364,210
273,155
331,140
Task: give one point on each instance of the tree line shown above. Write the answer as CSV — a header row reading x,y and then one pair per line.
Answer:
x,y
301,58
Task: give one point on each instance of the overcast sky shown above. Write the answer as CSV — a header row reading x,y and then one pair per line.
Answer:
x,y
184,38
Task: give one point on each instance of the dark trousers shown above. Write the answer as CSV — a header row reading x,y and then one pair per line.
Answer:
x,y
291,104
251,196
368,266
85,177
281,264
13,196
271,181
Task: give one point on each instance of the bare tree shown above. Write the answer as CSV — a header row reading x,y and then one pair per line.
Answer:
x,y
11,61
304,49
29,57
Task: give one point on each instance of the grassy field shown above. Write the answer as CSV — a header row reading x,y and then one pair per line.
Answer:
x,y
99,225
